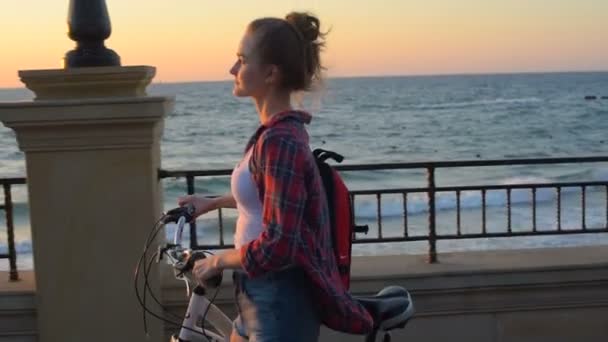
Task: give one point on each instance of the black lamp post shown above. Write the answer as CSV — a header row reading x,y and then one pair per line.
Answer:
x,y
89,25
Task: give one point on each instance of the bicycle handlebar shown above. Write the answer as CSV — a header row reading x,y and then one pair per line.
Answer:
x,y
183,259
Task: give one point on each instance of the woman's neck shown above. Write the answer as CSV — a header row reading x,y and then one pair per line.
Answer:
x,y
272,104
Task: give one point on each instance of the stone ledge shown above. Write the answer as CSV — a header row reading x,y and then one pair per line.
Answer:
x,y
92,124
491,296
486,262
26,285
475,269
89,82
414,267
83,110
476,296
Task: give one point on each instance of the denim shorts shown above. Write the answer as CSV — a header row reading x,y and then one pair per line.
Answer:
x,y
275,307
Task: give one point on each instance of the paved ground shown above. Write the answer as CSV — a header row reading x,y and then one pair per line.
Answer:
x,y
26,282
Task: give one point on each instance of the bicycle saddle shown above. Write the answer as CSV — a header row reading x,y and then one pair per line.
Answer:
x,y
391,308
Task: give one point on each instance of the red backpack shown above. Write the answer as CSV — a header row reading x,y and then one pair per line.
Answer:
x,y
343,226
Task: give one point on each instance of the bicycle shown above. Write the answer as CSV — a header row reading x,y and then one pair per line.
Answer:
x,y
391,308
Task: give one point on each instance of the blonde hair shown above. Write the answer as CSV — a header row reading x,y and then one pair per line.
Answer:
x,y
294,45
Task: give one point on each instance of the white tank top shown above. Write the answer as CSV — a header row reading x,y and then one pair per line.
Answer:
x,y
248,205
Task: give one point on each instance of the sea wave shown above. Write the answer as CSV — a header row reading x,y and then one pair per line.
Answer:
x,y
600,175
21,247
474,103
418,203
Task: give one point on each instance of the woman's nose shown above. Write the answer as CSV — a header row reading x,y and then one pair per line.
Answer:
x,y
234,69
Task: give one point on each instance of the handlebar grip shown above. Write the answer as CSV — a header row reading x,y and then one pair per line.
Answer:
x,y
209,283
174,214
192,259
214,282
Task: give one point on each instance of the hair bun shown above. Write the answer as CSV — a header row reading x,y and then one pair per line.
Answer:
x,y
306,24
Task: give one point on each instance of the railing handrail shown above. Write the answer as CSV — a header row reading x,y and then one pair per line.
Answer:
x,y
13,181
477,187
412,165
472,163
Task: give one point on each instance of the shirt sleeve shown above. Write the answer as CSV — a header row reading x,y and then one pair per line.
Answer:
x,y
281,168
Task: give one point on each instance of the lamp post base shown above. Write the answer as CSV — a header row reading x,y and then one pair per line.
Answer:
x,y
82,57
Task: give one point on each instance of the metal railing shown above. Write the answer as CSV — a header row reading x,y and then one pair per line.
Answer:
x,y
7,207
431,191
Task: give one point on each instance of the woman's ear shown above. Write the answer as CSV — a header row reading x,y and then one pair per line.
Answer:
x,y
273,75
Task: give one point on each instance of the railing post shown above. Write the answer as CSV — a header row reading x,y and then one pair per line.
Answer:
x,y
432,229
10,232
193,237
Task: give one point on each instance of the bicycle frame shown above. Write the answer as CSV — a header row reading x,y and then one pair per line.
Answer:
x,y
199,307
196,309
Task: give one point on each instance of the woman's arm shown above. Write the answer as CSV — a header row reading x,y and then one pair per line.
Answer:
x,y
213,265
225,201
281,173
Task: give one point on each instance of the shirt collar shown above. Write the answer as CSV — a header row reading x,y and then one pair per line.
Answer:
x,y
299,115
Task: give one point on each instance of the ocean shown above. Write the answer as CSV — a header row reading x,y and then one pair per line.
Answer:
x,y
398,119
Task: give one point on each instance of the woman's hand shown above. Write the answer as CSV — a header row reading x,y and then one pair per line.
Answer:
x,y
201,204
207,268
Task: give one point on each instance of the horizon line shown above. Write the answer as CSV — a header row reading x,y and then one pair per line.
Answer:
x,y
489,73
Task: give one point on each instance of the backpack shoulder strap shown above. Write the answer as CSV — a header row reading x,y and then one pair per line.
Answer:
x,y
322,155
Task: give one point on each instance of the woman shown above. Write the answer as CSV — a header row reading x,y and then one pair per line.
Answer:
x,y
285,274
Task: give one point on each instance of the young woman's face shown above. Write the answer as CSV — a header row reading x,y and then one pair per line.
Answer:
x,y
250,75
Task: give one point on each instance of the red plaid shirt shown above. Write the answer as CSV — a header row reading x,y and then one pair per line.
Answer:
x,y
296,220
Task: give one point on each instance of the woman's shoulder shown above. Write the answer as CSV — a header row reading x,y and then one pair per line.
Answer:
x,y
286,131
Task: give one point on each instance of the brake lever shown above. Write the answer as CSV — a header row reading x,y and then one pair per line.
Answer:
x,y
163,250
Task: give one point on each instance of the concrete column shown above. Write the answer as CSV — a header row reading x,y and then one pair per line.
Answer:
x,y
92,144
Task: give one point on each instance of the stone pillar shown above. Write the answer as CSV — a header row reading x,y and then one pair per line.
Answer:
x,y
92,145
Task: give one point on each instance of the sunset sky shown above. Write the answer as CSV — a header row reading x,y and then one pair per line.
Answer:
x,y
190,40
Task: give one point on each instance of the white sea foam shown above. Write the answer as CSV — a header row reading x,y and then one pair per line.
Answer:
x,y
485,102
418,203
21,247
600,175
